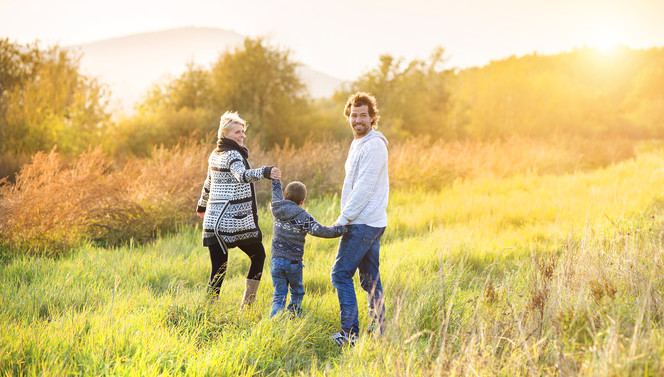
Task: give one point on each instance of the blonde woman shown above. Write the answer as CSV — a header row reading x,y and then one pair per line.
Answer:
x,y
228,206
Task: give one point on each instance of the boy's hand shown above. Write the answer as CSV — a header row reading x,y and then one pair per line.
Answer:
x,y
275,173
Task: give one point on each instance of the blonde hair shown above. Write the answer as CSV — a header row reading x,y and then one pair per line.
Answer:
x,y
228,121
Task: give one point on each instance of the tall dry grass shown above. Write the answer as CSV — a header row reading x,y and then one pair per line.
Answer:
x,y
53,205
430,165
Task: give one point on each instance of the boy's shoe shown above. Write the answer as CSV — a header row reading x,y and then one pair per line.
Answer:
x,y
344,339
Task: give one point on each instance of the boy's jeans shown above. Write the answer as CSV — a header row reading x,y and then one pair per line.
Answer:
x,y
287,273
359,248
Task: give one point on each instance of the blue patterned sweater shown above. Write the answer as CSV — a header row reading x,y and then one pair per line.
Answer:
x,y
291,225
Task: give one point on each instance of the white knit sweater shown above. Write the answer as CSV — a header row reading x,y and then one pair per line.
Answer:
x,y
366,188
229,201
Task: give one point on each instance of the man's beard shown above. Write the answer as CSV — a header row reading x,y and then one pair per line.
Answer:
x,y
360,129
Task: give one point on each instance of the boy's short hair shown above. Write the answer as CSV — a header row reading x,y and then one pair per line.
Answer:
x,y
296,191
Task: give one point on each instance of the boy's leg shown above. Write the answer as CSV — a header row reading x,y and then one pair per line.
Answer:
x,y
369,271
296,288
280,283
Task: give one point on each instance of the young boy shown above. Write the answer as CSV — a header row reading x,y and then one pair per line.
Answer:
x,y
291,225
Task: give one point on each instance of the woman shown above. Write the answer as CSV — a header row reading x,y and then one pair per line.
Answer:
x,y
228,206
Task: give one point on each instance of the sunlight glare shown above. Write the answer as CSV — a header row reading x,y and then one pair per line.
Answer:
x,y
606,44
604,38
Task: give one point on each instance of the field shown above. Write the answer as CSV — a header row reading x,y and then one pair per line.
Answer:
x,y
528,273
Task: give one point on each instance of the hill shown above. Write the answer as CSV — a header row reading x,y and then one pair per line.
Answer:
x,y
131,64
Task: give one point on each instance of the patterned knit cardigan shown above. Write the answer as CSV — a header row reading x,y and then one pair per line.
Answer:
x,y
228,199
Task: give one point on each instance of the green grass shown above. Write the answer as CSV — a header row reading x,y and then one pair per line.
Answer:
x,y
526,275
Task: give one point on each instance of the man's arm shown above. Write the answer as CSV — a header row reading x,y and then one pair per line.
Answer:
x,y
370,165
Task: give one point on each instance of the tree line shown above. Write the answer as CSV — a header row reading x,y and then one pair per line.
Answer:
x,y
46,101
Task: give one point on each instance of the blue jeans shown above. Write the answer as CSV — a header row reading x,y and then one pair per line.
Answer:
x,y
359,249
285,274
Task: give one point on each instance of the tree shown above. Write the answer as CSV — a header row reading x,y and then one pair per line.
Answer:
x,y
45,101
176,109
255,79
261,82
413,98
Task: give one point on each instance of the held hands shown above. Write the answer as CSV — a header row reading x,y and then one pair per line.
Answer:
x,y
275,173
336,224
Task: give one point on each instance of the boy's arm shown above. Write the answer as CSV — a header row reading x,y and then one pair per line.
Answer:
x,y
277,194
313,227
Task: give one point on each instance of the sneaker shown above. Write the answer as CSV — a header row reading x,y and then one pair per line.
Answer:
x,y
344,339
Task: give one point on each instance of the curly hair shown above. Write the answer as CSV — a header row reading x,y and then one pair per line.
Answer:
x,y
361,99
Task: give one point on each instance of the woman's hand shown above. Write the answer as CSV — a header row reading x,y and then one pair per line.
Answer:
x,y
275,173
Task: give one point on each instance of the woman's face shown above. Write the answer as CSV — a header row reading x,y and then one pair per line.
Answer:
x,y
236,134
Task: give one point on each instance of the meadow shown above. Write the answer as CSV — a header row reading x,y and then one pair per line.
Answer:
x,y
502,259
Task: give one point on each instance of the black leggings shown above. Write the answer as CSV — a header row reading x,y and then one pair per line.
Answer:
x,y
256,253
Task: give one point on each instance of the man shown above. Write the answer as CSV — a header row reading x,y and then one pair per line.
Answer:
x,y
364,198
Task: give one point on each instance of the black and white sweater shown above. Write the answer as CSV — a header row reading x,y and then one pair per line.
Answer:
x,y
228,197
291,225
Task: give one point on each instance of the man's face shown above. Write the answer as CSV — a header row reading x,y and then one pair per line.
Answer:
x,y
359,120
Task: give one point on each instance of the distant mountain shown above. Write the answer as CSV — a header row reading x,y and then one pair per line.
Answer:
x,y
130,65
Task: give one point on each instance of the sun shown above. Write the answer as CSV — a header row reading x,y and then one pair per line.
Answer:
x,y
605,44
604,38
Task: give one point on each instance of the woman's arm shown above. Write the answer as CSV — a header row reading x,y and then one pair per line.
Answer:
x,y
205,194
241,173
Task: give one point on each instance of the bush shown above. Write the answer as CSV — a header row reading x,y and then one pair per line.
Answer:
x,y
53,206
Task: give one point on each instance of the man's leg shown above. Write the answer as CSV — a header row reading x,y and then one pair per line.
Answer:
x,y
349,254
369,271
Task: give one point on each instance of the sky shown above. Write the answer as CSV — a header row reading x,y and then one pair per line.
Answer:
x,y
345,38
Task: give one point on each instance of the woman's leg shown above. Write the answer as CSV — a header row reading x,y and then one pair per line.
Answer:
x,y
256,253
219,261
